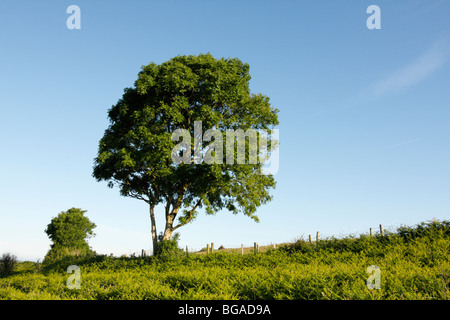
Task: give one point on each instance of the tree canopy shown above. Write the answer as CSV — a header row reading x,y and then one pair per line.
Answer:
x,y
70,229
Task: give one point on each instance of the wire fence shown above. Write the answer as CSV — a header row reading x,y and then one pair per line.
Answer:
x,y
242,248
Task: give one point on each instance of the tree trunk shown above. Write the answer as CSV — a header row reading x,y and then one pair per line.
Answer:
x,y
169,227
170,217
153,226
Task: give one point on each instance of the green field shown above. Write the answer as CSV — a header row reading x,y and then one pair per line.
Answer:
x,y
414,264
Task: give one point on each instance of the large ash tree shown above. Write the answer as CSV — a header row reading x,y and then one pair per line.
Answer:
x,y
135,153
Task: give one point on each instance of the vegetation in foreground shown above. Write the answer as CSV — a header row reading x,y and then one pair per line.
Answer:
x,y
414,264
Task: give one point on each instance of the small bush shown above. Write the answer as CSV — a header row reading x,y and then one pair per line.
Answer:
x,y
168,250
59,258
8,263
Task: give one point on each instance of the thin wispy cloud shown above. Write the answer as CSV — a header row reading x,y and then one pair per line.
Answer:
x,y
413,73
401,144
403,78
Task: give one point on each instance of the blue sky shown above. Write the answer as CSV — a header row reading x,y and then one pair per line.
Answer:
x,y
364,114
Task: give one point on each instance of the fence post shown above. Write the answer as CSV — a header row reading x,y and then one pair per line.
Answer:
x,y
381,229
242,248
207,248
310,239
187,252
317,237
371,232
255,247
212,247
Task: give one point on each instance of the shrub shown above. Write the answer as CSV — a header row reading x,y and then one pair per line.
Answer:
x,y
59,258
68,232
168,250
70,229
8,263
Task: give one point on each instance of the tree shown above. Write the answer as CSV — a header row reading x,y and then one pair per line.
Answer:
x,y
135,153
69,231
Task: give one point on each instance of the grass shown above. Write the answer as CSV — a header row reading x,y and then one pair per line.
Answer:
x,y
414,264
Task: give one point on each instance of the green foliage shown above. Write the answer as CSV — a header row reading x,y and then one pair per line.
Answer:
x,y
70,229
412,268
433,229
8,263
59,258
168,250
68,232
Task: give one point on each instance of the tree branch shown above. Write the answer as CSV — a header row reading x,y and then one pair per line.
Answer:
x,y
190,215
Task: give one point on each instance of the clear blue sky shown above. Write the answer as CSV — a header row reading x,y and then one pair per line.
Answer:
x,y
364,114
